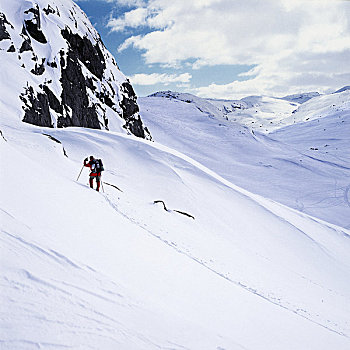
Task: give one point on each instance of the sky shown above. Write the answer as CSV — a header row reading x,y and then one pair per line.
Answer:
x,y
227,48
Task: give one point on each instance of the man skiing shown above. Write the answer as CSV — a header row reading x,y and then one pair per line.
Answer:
x,y
95,171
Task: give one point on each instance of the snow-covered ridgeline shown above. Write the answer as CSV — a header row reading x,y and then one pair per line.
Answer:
x,y
304,165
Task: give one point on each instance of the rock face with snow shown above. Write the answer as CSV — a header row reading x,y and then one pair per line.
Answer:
x,y
63,73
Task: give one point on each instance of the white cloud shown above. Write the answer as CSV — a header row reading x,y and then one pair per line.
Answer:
x,y
155,78
126,3
132,19
130,3
283,39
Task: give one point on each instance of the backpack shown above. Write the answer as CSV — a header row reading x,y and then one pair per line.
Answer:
x,y
98,166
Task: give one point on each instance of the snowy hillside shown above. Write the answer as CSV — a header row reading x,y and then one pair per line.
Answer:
x,y
301,98
304,165
230,231
56,72
82,269
259,113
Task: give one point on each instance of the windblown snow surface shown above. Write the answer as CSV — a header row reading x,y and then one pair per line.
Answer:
x,y
295,153
114,270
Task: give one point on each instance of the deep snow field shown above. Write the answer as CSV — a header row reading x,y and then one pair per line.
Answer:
x,y
302,162
113,270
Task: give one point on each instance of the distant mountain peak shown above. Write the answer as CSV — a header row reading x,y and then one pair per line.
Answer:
x,y
345,88
302,97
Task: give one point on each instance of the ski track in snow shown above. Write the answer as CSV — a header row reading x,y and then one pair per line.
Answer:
x,y
222,275
70,290
58,297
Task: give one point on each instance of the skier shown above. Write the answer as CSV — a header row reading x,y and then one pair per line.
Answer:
x,y
96,167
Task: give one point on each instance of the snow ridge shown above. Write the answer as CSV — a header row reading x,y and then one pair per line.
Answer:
x,y
302,162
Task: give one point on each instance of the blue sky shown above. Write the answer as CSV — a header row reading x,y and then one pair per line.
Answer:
x,y
227,48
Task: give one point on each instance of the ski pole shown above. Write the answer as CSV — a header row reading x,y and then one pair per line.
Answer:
x,y
80,172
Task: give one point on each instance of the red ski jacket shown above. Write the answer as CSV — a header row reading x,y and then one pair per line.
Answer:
x,y
89,165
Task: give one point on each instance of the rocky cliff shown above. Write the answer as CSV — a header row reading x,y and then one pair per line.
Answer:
x,y
62,72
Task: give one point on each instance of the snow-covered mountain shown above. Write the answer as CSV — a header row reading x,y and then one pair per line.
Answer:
x,y
258,113
56,72
220,234
301,98
344,88
81,269
304,165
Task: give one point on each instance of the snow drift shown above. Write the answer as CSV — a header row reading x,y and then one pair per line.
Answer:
x,y
82,269
224,267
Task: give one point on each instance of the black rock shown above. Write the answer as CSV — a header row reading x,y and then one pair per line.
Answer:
x,y
136,127
39,69
49,10
36,108
33,26
11,48
128,102
90,55
4,34
52,64
26,46
75,96
54,103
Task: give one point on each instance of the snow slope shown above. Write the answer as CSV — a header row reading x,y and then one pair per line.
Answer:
x,y
304,165
259,113
301,98
113,270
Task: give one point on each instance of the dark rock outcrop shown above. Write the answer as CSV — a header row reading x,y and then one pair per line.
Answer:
x,y
74,95
129,104
52,64
90,55
11,48
39,69
105,98
36,108
26,44
33,26
136,127
54,103
79,82
130,109
49,10
4,34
